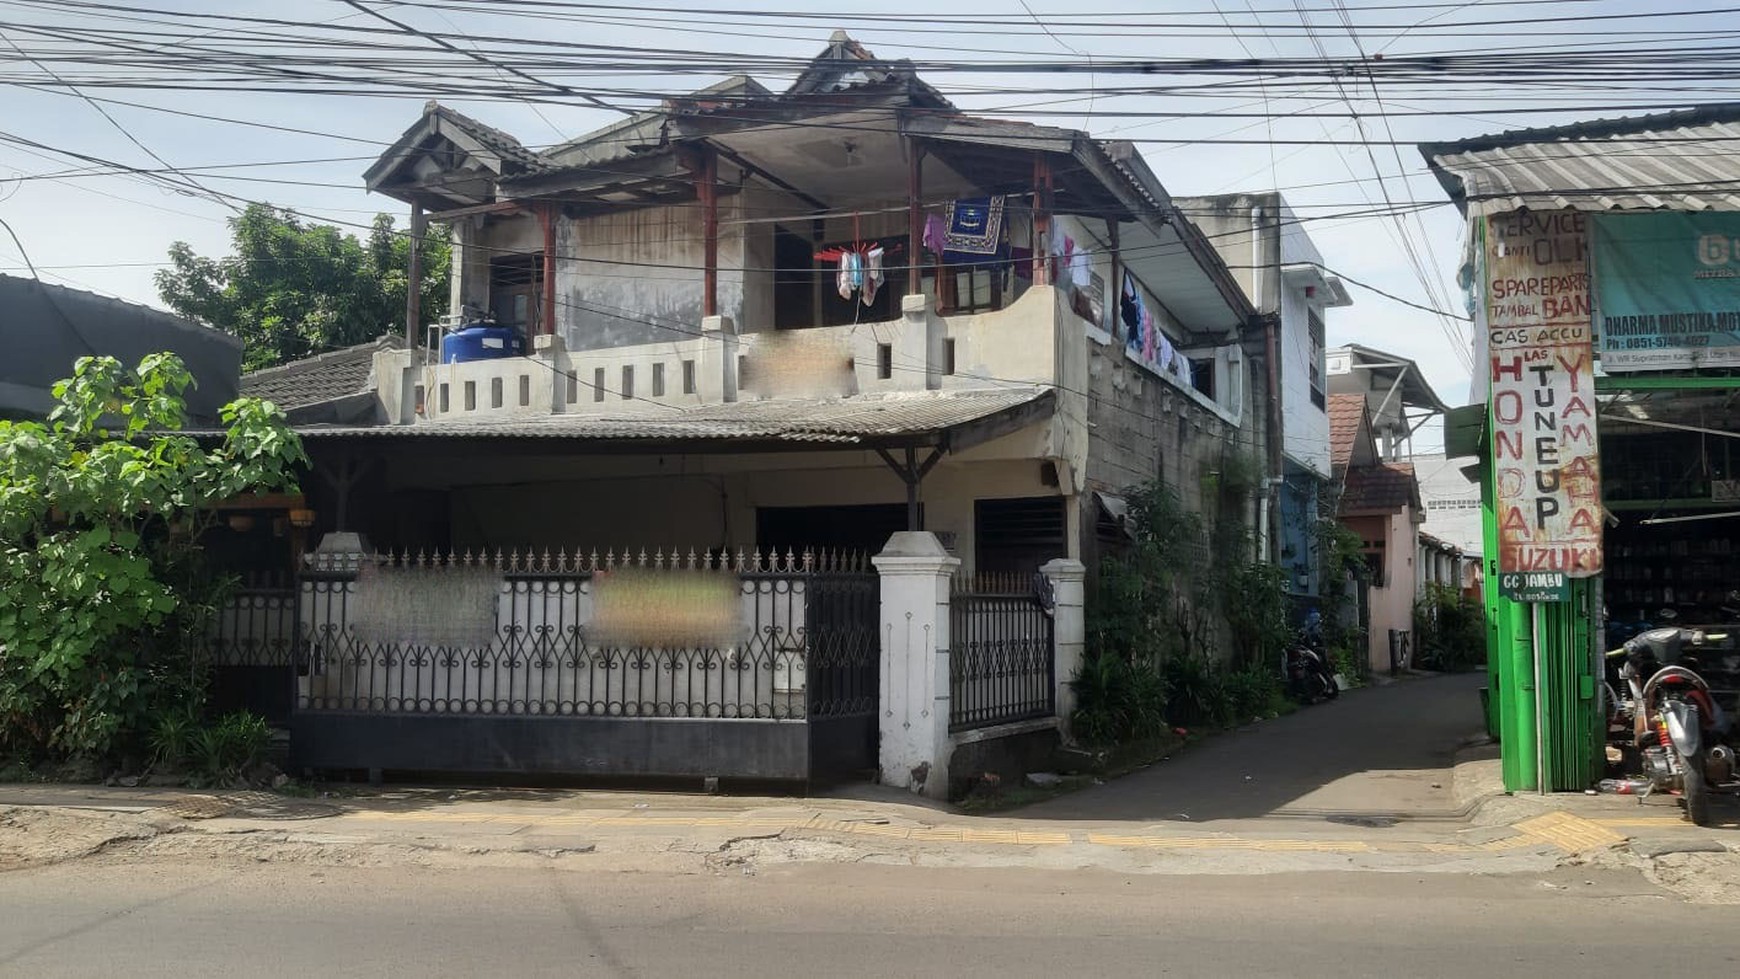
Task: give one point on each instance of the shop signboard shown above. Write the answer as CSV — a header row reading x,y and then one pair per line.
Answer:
x,y
1667,289
1540,364
1537,587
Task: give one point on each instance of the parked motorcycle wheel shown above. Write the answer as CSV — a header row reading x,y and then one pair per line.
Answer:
x,y
1332,689
1694,791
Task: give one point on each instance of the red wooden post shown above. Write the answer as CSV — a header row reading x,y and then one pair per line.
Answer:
x,y
1041,220
914,216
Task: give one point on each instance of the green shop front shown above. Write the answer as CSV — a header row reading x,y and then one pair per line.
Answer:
x,y
1609,343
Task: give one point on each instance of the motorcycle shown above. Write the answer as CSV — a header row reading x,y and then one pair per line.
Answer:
x,y
1306,667
1677,725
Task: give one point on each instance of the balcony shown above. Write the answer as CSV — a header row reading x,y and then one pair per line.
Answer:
x,y
1035,342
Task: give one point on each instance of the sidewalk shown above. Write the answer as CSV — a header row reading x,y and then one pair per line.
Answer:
x,y
624,830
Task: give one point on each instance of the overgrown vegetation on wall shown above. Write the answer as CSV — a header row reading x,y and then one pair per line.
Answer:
x,y
1186,628
101,509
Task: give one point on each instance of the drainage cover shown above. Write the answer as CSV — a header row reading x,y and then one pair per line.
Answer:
x,y
1370,822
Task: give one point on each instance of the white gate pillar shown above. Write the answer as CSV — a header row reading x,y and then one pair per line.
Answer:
x,y
913,719
1068,632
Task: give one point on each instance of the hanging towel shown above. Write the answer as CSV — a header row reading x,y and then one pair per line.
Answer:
x,y
935,233
1157,347
974,230
851,275
1081,270
873,277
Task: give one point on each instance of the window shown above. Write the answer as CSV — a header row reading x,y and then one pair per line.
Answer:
x,y
495,392
884,361
688,377
1202,375
658,381
1319,394
627,381
573,387
949,355
598,384
1017,536
525,390
515,284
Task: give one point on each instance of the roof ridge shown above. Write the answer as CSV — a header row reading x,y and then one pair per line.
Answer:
x,y
382,342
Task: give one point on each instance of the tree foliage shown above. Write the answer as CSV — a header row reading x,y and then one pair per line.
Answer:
x,y
100,510
292,289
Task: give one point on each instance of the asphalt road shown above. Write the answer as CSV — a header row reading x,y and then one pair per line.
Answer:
x,y
222,917
1372,753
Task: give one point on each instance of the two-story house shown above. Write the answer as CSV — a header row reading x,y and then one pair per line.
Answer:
x,y
1266,247
799,318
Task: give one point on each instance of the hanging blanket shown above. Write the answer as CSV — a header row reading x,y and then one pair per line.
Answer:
x,y
973,232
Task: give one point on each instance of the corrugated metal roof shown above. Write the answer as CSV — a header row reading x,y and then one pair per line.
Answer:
x,y
849,420
1687,161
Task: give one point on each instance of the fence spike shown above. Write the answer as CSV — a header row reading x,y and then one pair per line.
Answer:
x,y
643,557
500,559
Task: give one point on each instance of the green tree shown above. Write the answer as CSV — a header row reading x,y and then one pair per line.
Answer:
x,y
292,289
100,509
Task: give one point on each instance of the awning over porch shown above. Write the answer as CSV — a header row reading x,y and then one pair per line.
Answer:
x,y
949,421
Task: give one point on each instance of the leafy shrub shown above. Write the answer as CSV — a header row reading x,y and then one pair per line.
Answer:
x,y
1252,693
100,509
234,744
1117,700
172,736
1196,692
1450,630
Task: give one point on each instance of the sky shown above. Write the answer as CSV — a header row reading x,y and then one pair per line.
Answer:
x,y
1370,207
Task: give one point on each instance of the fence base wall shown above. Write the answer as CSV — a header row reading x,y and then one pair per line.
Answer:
x,y
678,748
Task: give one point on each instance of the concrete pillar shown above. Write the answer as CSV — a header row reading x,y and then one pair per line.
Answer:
x,y
914,719
1069,631
921,338
718,367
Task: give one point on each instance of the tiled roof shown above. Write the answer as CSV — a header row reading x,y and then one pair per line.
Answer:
x,y
1679,161
855,419
502,144
1345,413
1388,486
323,377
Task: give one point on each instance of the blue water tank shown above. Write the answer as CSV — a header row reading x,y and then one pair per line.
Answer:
x,y
481,341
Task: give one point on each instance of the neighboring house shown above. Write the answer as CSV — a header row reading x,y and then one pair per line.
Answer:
x,y
1400,399
1442,563
1379,501
1268,251
1452,502
700,372
48,328
336,387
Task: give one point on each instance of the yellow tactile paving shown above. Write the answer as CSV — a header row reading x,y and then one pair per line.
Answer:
x,y
1569,832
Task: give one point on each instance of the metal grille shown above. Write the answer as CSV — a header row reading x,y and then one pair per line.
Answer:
x,y
256,627
1002,664
528,650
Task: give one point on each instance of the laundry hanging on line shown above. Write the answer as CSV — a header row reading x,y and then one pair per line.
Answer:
x,y
973,231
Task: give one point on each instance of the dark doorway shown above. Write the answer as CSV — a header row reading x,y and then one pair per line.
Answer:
x,y
850,528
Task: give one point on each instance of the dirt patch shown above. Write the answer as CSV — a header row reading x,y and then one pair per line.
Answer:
x,y
32,837
333,851
1698,875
